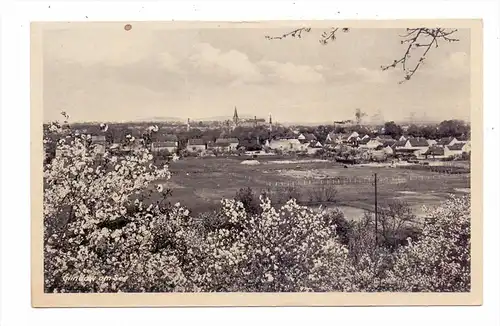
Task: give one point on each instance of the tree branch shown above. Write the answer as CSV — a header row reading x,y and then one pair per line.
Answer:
x,y
295,33
424,38
416,38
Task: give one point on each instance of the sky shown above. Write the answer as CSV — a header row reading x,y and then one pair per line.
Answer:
x,y
101,72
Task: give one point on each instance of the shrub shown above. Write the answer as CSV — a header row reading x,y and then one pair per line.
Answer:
x,y
322,193
99,237
440,260
249,200
288,249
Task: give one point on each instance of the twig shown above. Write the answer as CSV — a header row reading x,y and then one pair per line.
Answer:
x,y
419,38
424,38
330,36
295,33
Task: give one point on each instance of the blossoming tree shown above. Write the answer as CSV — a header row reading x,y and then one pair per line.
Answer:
x,y
102,235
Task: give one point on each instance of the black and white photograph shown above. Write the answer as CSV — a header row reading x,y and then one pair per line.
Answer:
x,y
257,157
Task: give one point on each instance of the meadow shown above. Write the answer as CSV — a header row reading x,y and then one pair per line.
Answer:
x,y
200,183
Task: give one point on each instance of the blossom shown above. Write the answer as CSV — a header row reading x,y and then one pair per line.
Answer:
x,y
285,248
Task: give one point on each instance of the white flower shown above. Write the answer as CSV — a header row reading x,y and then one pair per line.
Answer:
x,y
123,210
159,188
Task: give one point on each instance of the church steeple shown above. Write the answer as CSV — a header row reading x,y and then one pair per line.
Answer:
x,y
270,122
235,117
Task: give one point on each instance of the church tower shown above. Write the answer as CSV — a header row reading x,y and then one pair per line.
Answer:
x,y
235,117
270,122
188,126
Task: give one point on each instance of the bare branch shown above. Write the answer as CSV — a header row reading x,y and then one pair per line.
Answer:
x,y
326,37
330,36
295,33
424,38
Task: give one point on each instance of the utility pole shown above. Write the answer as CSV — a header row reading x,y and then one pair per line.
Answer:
x,y
376,212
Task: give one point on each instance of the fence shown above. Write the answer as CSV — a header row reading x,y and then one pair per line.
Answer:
x,y
368,180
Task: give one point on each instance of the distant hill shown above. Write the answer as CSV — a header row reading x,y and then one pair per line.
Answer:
x,y
159,119
176,119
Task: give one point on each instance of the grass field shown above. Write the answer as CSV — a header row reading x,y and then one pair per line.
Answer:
x,y
200,183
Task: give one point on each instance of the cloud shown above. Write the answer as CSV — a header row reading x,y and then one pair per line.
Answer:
x,y
296,74
372,75
212,60
166,60
458,60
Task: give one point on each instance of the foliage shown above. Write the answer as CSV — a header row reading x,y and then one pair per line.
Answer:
x,y
392,129
453,128
322,193
395,222
440,261
100,236
249,200
91,230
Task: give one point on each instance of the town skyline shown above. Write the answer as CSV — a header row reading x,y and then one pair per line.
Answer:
x,y
249,117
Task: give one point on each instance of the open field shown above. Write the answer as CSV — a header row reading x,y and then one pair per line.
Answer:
x,y
200,183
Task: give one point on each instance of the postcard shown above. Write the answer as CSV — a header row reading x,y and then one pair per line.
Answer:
x,y
266,163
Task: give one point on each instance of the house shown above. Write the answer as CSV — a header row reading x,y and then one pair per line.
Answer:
x,y
456,149
333,138
448,141
366,143
420,145
196,146
434,152
226,144
365,137
399,144
387,147
164,147
388,150
353,136
431,142
378,156
412,147
306,138
314,147
311,138
384,137
287,145
165,138
250,145
402,138
467,147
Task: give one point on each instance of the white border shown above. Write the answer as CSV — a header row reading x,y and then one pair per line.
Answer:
x,y
15,179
